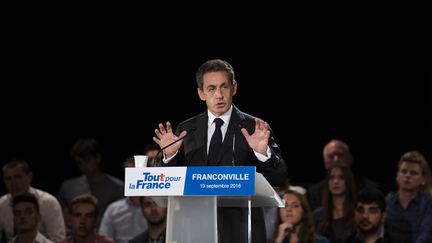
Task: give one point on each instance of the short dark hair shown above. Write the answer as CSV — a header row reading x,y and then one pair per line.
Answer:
x,y
25,197
17,162
372,196
84,147
151,146
214,65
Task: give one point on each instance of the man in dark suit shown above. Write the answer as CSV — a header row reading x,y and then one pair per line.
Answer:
x,y
247,140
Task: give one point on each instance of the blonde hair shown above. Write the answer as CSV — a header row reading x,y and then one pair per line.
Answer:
x,y
416,157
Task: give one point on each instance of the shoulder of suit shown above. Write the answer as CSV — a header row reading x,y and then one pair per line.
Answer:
x,y
243,118
191,122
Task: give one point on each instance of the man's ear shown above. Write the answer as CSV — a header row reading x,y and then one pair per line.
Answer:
x,y
201,94
384,216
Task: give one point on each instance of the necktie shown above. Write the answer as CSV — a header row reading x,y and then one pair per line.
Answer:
x,y
215,143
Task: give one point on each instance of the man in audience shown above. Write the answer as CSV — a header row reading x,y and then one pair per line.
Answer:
x,y
156,218
26,216
123,219
17,177
106,188
409,210
83,220
369,217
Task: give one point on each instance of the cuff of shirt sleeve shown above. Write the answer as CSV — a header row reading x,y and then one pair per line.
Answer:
x,y
263,158
165,160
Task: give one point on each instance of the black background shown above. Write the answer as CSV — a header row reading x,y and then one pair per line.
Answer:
x,y
353,70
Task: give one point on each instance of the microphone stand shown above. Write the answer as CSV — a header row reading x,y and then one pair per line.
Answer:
x,y
166,146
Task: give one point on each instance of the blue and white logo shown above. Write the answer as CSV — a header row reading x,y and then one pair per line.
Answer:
x,y
193,180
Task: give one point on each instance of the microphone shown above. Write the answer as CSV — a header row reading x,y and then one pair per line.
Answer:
x,y
169,145
233,145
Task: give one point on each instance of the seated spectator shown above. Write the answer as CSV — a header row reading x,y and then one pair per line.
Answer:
x,y
83,221
271,214
17,177
335,219
369,217
106,188
26,216
123,219
335,152
152,150
409,210
156,218
295,223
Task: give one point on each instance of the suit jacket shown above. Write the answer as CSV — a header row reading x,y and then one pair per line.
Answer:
x,y
235,149
232,222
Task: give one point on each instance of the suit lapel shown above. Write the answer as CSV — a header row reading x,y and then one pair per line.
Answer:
x,y
201,136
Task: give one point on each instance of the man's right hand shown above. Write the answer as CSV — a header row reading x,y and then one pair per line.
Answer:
x,y
165,136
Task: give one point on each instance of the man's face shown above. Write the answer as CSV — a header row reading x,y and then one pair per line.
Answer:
x,y
335,152
16,180
83,220
88,164
152,212
410,177
217,92
368,217
26,217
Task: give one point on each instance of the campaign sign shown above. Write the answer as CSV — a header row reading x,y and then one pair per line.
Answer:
x,y
155,181
220,180
193,180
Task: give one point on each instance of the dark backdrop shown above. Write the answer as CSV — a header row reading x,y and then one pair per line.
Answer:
x,y
315,71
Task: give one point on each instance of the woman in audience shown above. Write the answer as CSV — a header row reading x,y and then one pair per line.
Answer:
x,y
295,222
335,219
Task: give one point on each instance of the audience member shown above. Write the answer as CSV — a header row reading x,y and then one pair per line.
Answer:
x,y
17,177
335,219
335,152
295,222
26,216
271,214
369,217
152,150
156,218
123,219
106,188
409,210
83,221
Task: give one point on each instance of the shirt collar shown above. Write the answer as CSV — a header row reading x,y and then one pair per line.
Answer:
x,y
416,199
225,116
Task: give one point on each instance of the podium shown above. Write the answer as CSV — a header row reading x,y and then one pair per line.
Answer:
x,y
192,196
